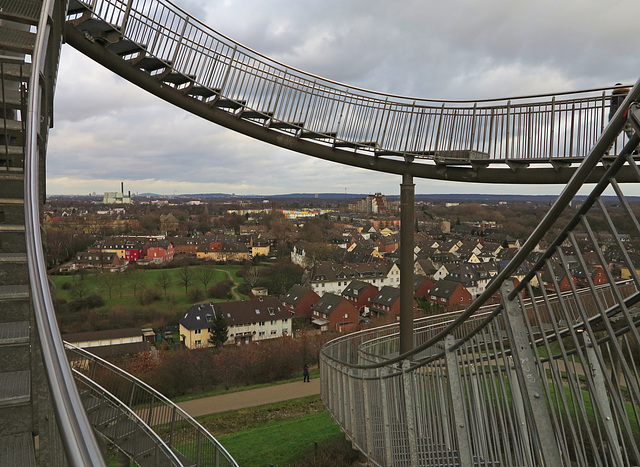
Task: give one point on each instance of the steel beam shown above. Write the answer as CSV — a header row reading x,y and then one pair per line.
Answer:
x,y
407,220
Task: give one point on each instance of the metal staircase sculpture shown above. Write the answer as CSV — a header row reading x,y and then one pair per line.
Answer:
x,y
548,377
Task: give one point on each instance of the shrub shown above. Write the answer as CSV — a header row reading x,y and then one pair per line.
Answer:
x,y
66,286
195,295
220,290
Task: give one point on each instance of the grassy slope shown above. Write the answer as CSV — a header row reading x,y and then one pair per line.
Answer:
x,y
281,442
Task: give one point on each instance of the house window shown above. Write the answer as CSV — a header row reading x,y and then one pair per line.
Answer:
x,y
285,320
273,321
273,332
261,323
261,333
198,343
198,331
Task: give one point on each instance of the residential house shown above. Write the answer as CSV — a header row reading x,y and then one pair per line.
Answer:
x,y
335,313
421,286
247,320
386,302
97,260
109,342
299,300
360,293
328,276
169,222
450,294
160,252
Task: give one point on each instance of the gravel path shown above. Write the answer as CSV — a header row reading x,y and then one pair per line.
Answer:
x,y
250,398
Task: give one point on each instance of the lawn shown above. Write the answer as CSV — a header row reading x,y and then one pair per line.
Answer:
x,y
120,289
280,442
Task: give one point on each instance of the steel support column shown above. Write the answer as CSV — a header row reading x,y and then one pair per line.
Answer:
x,y
407,220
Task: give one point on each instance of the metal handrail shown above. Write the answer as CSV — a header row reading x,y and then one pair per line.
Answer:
x,y
522,129
563,200
156,410
95,390
81,446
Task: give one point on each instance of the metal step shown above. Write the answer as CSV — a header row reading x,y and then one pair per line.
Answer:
x,y
177,79
99,29
229,104
16,332
11,183
286,125
201,91
76,7
316,135
151,64
15,40
12,99
11,211
14,269
17,450
255,115
13,292
124,47
15,71
15,387
11,127
22,11
359,145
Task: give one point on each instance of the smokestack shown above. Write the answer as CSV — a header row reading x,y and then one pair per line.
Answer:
x,y
122,187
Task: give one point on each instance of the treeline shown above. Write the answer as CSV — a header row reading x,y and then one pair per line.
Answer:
x,y
180,372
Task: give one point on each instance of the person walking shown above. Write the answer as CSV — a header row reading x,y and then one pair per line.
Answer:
x,y
618,95
305,374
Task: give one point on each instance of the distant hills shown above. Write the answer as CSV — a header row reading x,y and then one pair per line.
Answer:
x,y
437,197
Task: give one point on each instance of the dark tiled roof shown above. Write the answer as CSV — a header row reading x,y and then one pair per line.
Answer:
x,y
444,288
387,296
295,294
327,303
100,335
235,313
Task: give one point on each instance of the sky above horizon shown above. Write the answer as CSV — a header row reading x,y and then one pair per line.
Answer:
x,y
108,131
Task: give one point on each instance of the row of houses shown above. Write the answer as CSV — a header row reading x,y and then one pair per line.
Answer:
x,y
113,253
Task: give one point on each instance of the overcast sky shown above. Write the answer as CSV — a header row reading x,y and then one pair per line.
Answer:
x,y
107,130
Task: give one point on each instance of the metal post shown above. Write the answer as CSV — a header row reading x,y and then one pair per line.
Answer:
x,y
385,417
367,416
600,393
409,407
407,220
521,416
529,380
458,403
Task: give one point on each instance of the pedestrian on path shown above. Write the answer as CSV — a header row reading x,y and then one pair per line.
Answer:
x,y
305,374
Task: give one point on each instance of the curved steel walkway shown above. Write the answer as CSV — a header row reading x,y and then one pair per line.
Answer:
x,y
161,48
548,377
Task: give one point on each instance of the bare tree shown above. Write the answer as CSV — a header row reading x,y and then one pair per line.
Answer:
x,y
109,281
205,275
185,276
164,280
252,276
136,280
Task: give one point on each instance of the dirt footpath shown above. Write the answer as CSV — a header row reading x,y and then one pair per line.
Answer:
x,y
250,398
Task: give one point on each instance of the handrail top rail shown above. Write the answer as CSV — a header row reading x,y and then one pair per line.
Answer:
x,y
289,69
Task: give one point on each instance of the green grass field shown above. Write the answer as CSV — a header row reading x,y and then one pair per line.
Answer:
x,y
122,291
279,443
